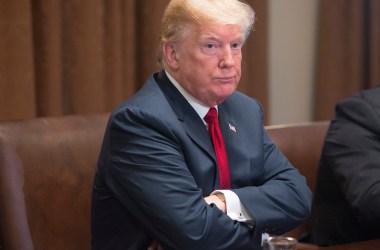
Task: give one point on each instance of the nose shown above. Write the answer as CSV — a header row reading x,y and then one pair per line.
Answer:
x,y
226,58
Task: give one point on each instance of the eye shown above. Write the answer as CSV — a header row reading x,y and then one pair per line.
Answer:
x,y
209,48
236,45
236,48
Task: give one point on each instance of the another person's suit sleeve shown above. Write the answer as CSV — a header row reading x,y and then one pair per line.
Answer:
x,y
352,150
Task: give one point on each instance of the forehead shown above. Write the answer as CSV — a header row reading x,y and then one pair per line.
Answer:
x,y
218,32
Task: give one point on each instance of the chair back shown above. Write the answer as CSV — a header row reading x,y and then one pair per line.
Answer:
x,y
47,167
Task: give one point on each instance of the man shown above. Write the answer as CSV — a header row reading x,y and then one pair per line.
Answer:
x,y
159,182
347,197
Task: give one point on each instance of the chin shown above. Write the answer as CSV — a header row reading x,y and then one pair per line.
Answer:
x,y
224,96
227,91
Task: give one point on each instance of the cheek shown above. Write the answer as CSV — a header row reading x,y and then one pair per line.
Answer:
x,y
238,71
238,62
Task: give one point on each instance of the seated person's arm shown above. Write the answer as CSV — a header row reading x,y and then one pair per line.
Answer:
x,y
353,152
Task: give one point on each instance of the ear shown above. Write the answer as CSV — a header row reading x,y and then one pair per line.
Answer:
x,y
171,55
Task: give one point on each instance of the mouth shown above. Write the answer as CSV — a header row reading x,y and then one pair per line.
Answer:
x,y
225,79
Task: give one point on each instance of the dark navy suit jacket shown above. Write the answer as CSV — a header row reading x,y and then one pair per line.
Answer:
x,y
157,163
346,205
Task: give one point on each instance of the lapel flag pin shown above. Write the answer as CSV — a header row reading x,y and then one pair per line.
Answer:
x,y
232,127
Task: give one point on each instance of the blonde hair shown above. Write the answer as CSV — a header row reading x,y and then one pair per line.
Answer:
x,y
181,15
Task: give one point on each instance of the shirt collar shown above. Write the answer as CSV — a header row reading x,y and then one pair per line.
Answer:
x,y
200,108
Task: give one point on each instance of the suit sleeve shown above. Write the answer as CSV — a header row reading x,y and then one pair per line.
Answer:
x,y
147,172
282,199
352,150
276,194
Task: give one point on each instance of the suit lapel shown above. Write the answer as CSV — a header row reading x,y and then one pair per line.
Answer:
x,y
227,126
230,130
191,121
197,131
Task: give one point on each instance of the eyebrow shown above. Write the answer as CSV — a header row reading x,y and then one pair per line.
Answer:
x,y
207,37
213,38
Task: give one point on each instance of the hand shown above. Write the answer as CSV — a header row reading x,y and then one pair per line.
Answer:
x,y
155,246
217,201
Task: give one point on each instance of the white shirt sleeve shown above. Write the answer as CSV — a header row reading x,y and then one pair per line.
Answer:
x,y
235,209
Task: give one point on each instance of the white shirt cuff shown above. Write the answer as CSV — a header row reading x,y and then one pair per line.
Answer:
x,y
235,209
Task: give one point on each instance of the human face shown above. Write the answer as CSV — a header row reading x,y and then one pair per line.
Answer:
x,y
209,62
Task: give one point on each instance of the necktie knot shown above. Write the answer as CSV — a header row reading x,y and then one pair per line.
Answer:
x,y
212,116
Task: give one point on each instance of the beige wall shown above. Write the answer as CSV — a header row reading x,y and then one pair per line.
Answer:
x,y
292,36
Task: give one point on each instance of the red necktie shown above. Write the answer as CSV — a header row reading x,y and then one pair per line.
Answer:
x,y
220,150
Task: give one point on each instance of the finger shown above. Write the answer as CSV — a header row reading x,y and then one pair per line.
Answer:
x,y
153,245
